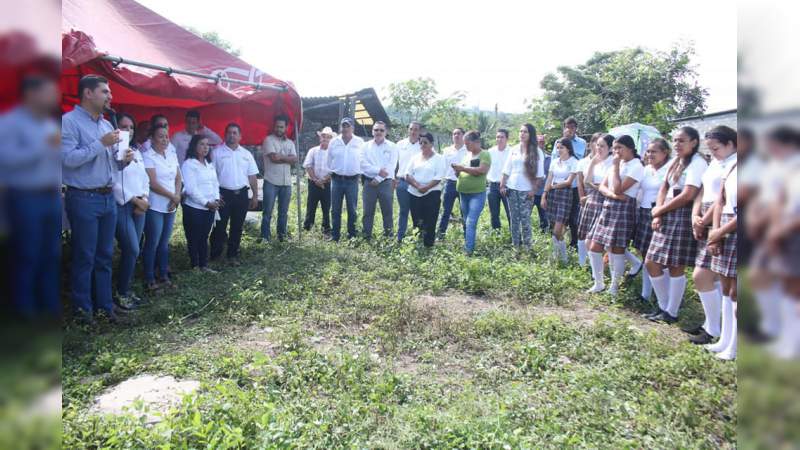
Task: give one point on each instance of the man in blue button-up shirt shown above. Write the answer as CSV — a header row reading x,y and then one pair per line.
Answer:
x,y
579,146
88,159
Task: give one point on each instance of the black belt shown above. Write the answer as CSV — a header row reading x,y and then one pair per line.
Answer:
x,y
102,190
336,176
235,191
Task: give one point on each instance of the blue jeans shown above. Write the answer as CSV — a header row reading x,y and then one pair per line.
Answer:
x,y
471,208
344,190
404,199
35,219
157,231
284,195
494,205
129,233
449,195
93,220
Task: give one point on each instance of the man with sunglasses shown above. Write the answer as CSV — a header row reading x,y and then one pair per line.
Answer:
x,y
378,160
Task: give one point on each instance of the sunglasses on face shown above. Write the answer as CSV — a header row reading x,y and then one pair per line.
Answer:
x,y
378,130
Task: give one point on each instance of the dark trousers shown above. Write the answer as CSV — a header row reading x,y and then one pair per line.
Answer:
x,y
197,225
322,197
35,219
449,196
574,216
544,222
424,212
235,209
494,205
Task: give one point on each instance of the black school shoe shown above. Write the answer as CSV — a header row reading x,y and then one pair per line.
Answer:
x,y
702,338
663,316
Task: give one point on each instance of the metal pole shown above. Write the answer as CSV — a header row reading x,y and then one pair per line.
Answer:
x,y
117,60
297,171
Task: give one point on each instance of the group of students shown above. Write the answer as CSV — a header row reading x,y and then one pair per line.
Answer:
x,y
676,210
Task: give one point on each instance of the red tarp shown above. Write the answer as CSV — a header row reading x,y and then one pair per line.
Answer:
x,y
93,28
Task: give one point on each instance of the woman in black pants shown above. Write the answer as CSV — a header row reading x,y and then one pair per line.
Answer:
x,y
201,200
424,175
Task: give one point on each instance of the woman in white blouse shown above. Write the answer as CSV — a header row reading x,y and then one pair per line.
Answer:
x,y
131,190
557,197
424,174
201,200
522,173
615,226
165,196
673,246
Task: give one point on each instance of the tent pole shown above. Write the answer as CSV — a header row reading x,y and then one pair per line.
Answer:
x,y
297,176
117,60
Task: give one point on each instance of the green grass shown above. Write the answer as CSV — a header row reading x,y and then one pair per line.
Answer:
x,y
323,345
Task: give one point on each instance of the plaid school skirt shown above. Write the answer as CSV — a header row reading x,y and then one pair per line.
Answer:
x,y
590,211
703,259
725,263
616,224
786,262
674,244
559,204
644,230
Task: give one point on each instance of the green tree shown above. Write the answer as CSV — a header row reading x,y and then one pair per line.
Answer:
x,y
214,38
418,99
631,85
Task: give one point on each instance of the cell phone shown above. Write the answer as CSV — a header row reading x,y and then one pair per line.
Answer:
x,y
676,192
475,163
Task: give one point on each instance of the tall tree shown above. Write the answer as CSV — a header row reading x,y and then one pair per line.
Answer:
x,y
214,38
632,85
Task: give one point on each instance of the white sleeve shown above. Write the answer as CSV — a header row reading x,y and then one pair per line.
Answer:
x,y
252,168
540,165
441,169
506,170
694,173
309,161
190,183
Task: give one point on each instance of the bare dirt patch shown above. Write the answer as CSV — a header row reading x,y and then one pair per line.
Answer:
x,y
157,395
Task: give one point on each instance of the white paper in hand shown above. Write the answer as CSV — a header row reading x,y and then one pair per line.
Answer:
x,y
124,143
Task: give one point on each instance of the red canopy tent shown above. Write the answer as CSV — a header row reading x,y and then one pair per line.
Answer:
x,y
156,66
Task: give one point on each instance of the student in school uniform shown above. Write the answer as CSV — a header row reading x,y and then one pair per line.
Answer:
x,y
583,194
655,173
557,197
722,245
522,174
722,143
589,182
615,226
201,200
673,246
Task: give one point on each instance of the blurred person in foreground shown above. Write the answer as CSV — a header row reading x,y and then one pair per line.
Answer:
x,y
89,165
775,265
30,166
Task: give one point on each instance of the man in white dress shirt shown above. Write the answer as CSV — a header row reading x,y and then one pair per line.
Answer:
x,y
344,160
236,171
180,140
378,160
499,154
407,149
453,154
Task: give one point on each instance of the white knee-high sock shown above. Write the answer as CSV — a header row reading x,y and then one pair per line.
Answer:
x,y
636,263
769,305
647,286
727,326
556,248
661,288
596,262
617,270
712,304
729,352
677,286
582,253
562,250
787,344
